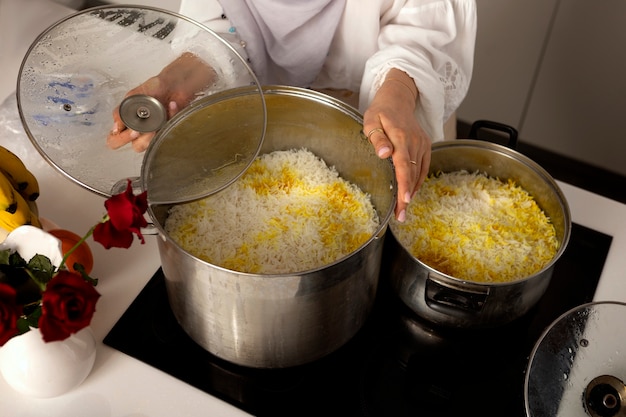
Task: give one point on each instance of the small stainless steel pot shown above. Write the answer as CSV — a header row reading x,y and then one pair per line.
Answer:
x,y
277,321
449,301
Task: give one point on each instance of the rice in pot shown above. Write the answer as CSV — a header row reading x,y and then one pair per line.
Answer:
x,y
288,213
477,228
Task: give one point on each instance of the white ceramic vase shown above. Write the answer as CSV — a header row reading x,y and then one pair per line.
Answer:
x,y
27,363
39,369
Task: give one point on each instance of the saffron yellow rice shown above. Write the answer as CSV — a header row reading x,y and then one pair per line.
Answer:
x,y
476,228
288,213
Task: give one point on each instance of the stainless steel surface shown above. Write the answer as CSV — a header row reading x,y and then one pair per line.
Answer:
x,y
577,367
277,321
450,301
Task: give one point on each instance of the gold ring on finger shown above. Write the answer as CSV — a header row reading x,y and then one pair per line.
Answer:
x,y
371,132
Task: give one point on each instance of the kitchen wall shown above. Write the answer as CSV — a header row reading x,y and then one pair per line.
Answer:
x,y
555,70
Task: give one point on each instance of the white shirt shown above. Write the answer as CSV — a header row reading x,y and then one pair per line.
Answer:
x,y
431,40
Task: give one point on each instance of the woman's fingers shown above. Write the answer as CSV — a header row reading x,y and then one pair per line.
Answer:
x,y
382,145
411,159
138,140
405,174
424,168
120,135
142,141
384,148
172,109
175,86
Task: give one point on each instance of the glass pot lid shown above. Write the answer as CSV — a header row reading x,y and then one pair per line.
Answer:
x,y
81,68
578,366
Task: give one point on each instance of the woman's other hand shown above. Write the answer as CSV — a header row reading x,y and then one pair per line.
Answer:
x,y
175,87
394,132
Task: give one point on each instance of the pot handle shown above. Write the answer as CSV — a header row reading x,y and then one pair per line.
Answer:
x,y
487,124
150,230
454,300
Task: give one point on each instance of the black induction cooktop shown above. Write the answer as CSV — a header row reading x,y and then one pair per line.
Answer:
x,y
396,365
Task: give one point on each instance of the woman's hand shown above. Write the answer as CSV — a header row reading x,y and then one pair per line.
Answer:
x,y
175,87
391,127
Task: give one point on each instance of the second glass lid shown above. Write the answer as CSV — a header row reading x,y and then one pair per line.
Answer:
x,y
578,366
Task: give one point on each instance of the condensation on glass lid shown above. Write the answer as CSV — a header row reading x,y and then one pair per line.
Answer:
x,y
80,69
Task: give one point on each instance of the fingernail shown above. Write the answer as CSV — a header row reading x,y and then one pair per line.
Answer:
x,y
172,108
402,216
115,130
383,151
407,198
134,134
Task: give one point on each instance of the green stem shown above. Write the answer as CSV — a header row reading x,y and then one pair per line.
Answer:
x,y
80,242
36,280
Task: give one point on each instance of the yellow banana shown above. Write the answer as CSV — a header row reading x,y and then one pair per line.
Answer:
x,y
20,216
21,178
8,201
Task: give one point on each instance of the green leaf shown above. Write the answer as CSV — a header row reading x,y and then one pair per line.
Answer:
x,y
41,269
4,256
16,261
41,263
24,323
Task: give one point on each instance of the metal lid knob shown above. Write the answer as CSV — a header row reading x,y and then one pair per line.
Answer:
x,y
605,396
143,113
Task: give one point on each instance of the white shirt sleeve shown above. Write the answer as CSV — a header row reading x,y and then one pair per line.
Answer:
x,y
207,12
433,42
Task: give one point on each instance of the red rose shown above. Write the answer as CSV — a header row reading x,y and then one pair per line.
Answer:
x,y
10,311
68,304
126,216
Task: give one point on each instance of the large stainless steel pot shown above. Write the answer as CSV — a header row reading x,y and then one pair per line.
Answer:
x,y
449,301
275,321
67,89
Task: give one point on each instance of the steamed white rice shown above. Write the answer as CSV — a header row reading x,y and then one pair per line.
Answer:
x,y
477,228
288,213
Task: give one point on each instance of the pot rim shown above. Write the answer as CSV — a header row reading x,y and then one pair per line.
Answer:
x,y
539,170
324,99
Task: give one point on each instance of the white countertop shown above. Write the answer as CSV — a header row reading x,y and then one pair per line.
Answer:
x,y
123,386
